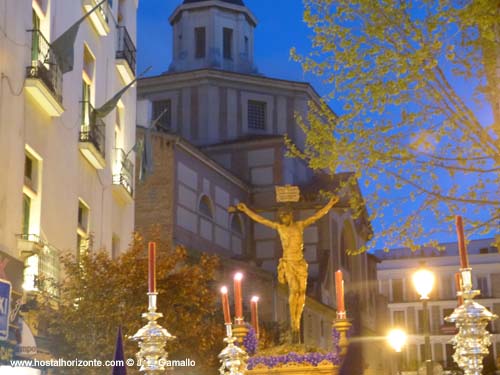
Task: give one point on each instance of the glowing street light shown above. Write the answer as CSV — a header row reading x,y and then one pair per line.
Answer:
x,y
396,339
423,280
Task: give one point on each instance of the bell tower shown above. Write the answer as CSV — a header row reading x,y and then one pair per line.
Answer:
x,y
213,34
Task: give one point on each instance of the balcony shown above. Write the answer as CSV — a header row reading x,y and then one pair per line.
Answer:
x,y
100,17
28,244
125,55
123,176
44,76
92,137
41,264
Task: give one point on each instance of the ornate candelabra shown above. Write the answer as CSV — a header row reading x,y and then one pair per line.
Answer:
x,y
472,340
233,358
152,338
342,325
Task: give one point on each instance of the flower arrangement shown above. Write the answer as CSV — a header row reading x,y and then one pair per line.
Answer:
x,y
286,354
313,359
250,341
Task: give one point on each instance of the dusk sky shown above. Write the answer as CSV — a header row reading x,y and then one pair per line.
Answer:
x,y
272,55
280,27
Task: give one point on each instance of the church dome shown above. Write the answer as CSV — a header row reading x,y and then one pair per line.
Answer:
x,y
235,2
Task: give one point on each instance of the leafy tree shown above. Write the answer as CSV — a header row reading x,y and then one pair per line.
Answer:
x,y
419,82
99,294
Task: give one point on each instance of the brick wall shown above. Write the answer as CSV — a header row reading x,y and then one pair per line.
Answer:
x,y
154,196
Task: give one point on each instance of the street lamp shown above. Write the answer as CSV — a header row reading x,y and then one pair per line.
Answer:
x,y
423,280
397,339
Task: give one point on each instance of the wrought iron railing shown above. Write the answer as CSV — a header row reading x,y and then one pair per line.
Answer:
x,y
126,48
124,171
93,128
42,266
44,64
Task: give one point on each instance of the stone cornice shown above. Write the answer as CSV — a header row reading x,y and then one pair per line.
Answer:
x,y
205,76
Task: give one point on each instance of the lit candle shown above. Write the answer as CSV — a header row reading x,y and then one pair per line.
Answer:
x,y
238,303
339,289
225,305
464,260
152,267
458,287
255,314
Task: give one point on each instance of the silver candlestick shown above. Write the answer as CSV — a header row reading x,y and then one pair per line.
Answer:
x,y
472,340
152,338
233,358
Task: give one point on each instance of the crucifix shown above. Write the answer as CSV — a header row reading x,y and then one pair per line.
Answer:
x,y
292,267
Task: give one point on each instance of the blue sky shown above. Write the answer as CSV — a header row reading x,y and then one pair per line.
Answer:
x,y
280,27
271,54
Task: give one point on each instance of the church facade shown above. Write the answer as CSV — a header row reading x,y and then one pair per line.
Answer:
x,y
217,129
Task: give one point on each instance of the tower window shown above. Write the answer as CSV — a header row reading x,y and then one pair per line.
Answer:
x,y
162,113
227,43
256,115
199,40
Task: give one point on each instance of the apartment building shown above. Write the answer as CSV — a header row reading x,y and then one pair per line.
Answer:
x,y
405,309
66,161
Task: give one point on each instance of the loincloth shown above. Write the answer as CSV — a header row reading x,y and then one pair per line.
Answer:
x,y
292,269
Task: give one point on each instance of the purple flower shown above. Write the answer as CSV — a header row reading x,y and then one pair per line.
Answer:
x,y
250,341
313,359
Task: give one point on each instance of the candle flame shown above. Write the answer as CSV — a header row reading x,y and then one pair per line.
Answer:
x,y
223,290
238,276
255,299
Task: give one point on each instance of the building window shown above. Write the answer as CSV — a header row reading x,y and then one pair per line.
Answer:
x,y
256,115
82,231
246,46
28,167
88,64
397,290
25,228
30,172
199,42
83,216
119,114
162,114
82,246
237,225
121,12
35,43
482,285
422,351
40,7
399,319
446,287
205,207
227,43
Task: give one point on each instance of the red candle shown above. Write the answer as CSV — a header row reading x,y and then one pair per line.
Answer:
x,y
339,289
152,268
255,314
225,305
238,303
464,260
458,287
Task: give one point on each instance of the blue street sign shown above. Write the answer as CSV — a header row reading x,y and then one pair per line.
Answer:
x,y
5,289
